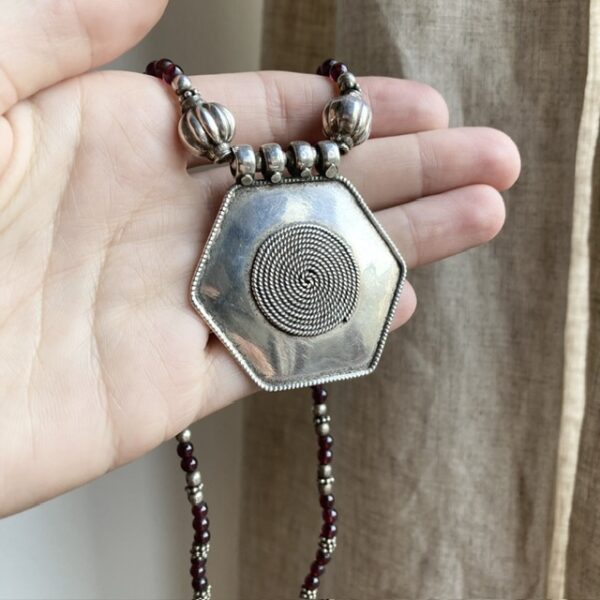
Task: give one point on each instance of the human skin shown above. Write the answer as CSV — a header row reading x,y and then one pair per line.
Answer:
x,y
101,356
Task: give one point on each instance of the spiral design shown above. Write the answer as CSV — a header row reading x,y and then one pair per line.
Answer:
x,y
304,279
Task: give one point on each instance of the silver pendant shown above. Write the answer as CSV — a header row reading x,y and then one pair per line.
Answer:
x,y
299,281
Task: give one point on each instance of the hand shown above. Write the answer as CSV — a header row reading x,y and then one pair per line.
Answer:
x,y
101,356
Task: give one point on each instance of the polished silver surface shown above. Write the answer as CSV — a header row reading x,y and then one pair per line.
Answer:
x,y
243,164
347,120
301,159
273,162
206,129
221,286
328,158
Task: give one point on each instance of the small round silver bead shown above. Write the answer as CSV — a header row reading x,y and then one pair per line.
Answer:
x,y
323,428
195,498
181,84
347,83
325,471
319,410
193,479
184,436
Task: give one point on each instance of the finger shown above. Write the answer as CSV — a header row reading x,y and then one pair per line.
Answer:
x,y
281,107
389,170
439,226
44,42
227,381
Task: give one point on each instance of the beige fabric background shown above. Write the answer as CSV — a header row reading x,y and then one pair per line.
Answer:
x,y
448,478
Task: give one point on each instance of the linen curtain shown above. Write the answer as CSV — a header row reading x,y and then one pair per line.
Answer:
x,y
468,465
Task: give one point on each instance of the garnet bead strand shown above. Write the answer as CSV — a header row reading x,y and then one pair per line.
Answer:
x,y
327,539
189,464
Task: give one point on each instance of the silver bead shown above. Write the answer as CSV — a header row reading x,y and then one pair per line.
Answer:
x,y
195,498
181,84
200,550
328,158
347,83
328,545
326,485
193,479
206,129
323,428
347,120
308,594
301,159
319,410
184,436
325,471
273,162
243,164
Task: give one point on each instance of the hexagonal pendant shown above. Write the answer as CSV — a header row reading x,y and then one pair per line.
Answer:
x,y
299,281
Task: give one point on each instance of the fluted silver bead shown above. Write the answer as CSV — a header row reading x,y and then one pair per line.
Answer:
x,y
206,129
347,120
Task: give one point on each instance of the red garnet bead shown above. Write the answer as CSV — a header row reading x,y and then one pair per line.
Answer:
x,y
316,569
200,510
323,558
325,67
151,69
199,571
198,563
311,582
325,456
189,464
199,584
202,537
330,516
325,442
327,501
319,394
329,530
201,524
171,72
185,449
337,70
160,66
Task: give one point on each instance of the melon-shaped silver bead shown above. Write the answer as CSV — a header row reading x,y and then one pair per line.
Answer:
x,y
207,129
347,120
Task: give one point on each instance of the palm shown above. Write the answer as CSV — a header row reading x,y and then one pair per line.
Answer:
x,y
101,357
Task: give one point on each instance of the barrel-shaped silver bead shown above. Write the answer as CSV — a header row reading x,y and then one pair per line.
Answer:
x,y
272,162
207,129
328,158
243,164
301,158
347,120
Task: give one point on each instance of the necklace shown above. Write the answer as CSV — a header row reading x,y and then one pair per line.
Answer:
x,y
297,278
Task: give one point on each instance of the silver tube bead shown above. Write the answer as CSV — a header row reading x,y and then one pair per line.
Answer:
x,y
243,164
328,158
273,162
301,158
